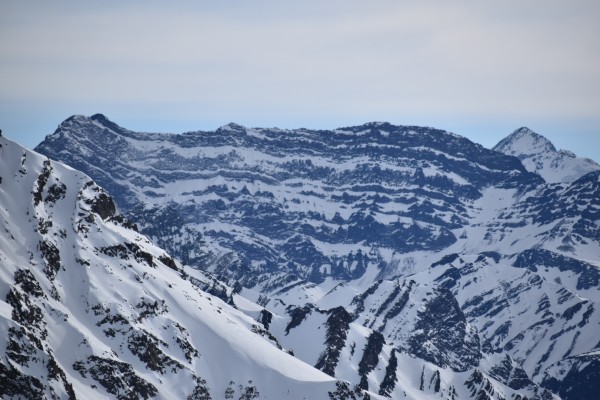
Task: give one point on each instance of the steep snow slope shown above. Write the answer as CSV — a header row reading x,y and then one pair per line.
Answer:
x,y
539,155
91,309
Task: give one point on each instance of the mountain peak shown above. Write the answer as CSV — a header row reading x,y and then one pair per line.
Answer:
x,y
84,120
105,122
99,118
83,125
232,126
376,124
539,155
524,141
77,118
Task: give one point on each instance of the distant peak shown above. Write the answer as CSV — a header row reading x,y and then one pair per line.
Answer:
x,y
83,119
99,117
105,122
524,141
73,121
79,124
524,130
232,126
376,123
76,118
539,155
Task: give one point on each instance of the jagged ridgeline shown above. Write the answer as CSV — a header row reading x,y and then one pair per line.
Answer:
x,y
302,204
420,264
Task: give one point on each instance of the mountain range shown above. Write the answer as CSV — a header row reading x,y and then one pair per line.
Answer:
x,y
392,261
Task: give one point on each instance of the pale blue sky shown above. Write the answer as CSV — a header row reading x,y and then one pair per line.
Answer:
x,y
479,69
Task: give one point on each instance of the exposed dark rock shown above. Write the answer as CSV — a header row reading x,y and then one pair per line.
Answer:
x,y
359,300
124,222
297,316
338,324
588,276
51,255
344,392
146,347
265,318
25,279
215,288
22,345
186,347
109,317
385,304
117,250
123,252
103,205
168,261
249,392
398,305
511,374
41,183
44,226
442,336
449,278
370,358
55,372
480,387
435,381
200,392
265,333
389,380
153,309
25,312
14,384
140,255
56,192
581,380
448,259
118,378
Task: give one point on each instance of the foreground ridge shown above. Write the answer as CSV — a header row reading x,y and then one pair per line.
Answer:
x,y
91,308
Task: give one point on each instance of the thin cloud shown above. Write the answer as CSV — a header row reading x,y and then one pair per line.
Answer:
x,y
309,61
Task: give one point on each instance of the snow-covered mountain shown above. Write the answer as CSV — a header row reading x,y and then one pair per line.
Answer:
x,y
539,155
90,308
419,263
288,205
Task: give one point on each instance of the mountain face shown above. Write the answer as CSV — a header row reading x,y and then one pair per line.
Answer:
x,y
539,155
419,263
90,308
288,205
